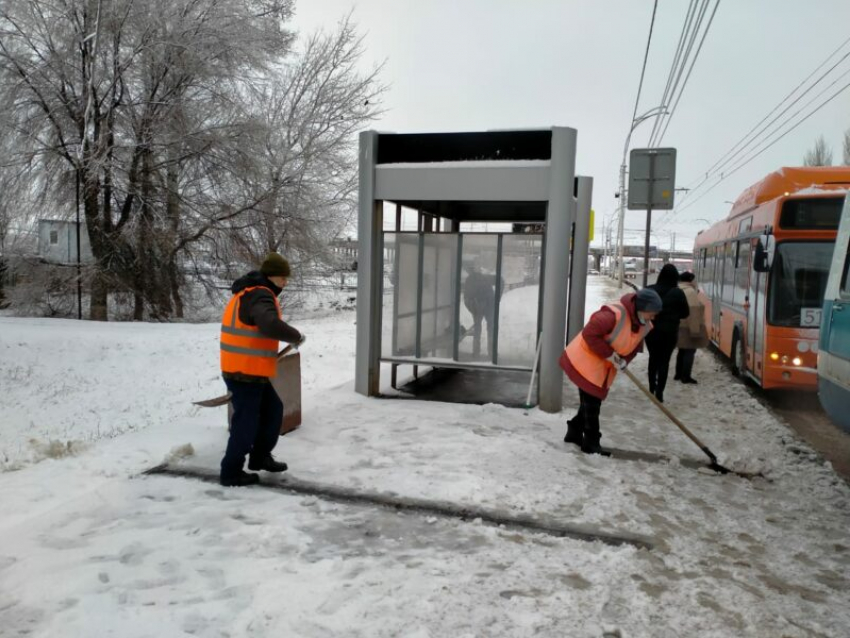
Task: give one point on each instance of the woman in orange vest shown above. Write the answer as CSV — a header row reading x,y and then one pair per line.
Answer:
x,y
251,328
611,339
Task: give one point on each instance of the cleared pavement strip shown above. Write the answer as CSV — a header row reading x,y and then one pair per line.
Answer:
x,y
423,507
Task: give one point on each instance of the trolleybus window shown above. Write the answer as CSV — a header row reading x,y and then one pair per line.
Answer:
x,y
729,273
742,276
845,278
798,282
821,213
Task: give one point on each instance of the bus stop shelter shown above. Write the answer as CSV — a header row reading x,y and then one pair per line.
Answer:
x,y
445,298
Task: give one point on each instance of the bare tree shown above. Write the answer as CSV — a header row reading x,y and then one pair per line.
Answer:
x,y
310,110
120,98
819,155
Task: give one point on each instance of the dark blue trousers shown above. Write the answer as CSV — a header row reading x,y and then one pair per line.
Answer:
x,y
255,426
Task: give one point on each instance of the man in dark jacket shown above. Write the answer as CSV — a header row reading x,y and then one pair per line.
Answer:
x,y
661,342
479,297
252,327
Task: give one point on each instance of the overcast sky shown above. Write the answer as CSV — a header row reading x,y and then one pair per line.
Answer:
x,y
474,65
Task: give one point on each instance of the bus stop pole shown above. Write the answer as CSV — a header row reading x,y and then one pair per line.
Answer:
x,y
369,272
560,212
581,248
648,220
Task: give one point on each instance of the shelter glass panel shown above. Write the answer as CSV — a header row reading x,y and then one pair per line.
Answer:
x,y
520,299
400,294
438,295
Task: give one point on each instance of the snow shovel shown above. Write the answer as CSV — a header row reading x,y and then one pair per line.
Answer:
x,y
714,465
224,399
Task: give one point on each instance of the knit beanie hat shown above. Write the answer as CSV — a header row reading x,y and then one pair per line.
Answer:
x,y
648,301
275,266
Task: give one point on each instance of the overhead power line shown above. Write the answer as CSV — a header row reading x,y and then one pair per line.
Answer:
x,y
755,140
683,62
781,102
687,77
756,135
726,175
686,25
645,57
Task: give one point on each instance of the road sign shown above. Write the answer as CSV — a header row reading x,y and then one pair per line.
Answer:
x,y
652,178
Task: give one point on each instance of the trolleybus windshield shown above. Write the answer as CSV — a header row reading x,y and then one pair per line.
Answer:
x,y
798,283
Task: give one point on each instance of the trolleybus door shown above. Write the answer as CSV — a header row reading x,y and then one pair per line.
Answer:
x,y
755,331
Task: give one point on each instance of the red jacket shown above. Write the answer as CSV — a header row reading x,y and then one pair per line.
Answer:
x,y
601,324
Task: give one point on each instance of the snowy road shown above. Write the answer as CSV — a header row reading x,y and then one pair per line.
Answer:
x,y
88,548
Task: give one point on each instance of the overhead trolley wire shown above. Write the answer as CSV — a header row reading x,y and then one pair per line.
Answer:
x,y
679,49
781,102
645,58
737,148
687,77
732,153
683,62
728,174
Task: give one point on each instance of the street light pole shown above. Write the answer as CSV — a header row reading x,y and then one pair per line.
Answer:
x,y
658,110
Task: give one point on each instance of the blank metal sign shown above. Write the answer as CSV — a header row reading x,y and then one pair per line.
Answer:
x,y
657,165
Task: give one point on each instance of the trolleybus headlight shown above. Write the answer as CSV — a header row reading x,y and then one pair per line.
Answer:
x,y
797,361
774,356
784,358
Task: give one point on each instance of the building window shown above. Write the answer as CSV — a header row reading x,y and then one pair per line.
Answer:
x,y
54,237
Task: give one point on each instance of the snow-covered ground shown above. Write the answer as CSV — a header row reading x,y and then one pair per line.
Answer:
x,y
89,548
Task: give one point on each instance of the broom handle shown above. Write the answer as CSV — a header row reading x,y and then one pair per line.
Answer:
x,y
534,369
670,415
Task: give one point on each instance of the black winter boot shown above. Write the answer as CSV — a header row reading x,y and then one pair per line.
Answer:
x,y
590,444
266,463
239,480
575,431
594,448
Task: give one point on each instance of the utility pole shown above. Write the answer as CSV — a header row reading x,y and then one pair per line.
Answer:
x,y
635,122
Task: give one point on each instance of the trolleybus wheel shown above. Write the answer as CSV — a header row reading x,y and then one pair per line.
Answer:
x,y
737,354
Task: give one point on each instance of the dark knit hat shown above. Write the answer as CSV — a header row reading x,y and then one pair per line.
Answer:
x,y
648,301
275,266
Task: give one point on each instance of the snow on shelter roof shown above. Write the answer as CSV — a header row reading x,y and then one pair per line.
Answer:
x,y
789,180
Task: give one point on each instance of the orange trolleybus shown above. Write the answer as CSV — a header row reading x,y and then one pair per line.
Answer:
x,y
763,270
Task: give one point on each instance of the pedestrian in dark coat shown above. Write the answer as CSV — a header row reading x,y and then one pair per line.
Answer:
x,y
661,342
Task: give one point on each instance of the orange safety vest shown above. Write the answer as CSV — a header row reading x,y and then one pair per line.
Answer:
x,y
243,348
598,371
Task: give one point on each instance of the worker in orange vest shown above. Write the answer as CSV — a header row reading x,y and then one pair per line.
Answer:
x,y
611,339
251,328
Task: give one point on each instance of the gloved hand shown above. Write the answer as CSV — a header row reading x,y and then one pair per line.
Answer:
x,y
619,362
301,342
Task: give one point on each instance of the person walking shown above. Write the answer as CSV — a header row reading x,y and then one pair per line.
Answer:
x,y
693,333
662,341
612,337
251,328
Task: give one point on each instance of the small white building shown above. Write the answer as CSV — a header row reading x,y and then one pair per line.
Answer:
x,y
57,242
